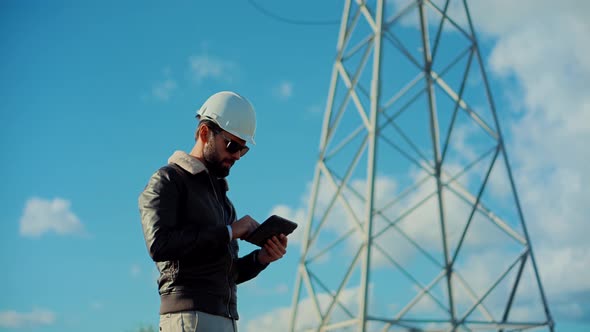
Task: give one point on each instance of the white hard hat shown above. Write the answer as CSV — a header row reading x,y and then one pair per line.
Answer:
x,y
232,113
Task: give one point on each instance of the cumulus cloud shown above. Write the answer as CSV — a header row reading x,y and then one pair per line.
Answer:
x,y
284,90
541,47
295,214
421,226
204,66
42,216
279,318
164,89
35,318
261,290
547,55
418,215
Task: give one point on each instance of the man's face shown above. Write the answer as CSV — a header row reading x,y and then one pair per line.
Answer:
x,y
219,161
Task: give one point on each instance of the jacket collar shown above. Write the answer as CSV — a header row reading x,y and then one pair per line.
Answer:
x,y
187,162
190,164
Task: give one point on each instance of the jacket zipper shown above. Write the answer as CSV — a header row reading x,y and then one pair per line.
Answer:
x,y
228,247
228,283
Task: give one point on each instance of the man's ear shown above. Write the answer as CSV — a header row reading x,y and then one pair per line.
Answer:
x,y
202,132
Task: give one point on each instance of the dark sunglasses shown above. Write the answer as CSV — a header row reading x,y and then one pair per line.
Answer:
x,y
232,146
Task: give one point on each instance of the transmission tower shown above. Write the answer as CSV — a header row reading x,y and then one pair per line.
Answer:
x,y
414,222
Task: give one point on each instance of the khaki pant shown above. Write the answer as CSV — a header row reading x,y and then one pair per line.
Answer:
x,y
196,321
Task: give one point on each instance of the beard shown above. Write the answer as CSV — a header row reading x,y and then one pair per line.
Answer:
x,y
213,160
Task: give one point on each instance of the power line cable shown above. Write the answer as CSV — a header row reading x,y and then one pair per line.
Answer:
x,y
289,20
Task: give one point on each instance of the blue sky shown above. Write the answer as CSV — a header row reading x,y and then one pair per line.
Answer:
x,y
94,97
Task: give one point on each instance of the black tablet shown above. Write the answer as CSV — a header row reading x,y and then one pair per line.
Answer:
x,y
272,226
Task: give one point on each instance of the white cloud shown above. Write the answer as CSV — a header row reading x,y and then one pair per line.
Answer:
x,y
278,319
504,17
282,288
565,270
41,216
37,317
255,287
545,51
205,66
164,89
542,47
296,215
284,90
421,225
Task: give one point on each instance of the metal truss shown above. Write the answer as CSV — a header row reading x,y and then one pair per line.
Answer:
x,y
390,81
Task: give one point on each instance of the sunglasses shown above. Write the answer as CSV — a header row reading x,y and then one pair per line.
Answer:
x,y
232,146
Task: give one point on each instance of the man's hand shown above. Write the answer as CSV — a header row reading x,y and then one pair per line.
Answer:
x,y
274,248
243,227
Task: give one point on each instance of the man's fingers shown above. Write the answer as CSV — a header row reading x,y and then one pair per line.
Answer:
x,y
272,254
284,240
277,250
273,251
281,248
281,242
275,247
243,227
252,226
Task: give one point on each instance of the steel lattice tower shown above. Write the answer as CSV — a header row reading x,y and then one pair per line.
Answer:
x,y
414,222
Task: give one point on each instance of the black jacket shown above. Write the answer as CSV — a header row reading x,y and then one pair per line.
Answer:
x,y
184,215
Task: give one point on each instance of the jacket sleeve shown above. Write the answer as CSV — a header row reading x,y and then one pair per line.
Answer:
x,y
165,236
248,267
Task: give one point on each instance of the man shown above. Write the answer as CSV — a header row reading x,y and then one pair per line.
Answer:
x,y
190,225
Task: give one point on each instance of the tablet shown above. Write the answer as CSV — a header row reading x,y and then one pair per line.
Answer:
x,y
272,226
